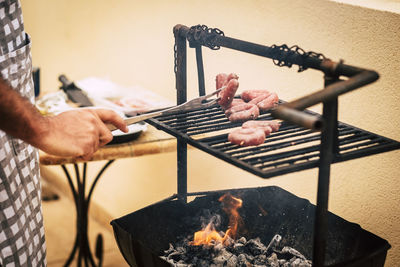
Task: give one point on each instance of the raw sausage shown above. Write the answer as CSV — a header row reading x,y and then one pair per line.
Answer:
x,y
265,102
242,112
248,95
247,137
228,93
235,102
232,76
267,126
221,80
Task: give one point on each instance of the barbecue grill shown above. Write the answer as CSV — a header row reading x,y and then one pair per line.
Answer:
x,y
305,140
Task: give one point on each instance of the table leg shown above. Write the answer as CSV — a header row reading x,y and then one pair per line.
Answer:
x,y
81,243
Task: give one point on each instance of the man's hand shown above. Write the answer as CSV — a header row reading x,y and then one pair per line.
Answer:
x,y
76,133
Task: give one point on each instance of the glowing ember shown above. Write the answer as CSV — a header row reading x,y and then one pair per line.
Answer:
x,y
209,236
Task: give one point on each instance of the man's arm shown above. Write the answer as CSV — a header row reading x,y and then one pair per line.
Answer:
x,y
76,133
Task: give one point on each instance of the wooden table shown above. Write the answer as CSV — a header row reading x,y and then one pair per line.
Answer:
x,y
149,142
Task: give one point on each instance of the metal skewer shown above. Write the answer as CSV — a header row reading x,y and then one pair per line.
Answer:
x,y
189,105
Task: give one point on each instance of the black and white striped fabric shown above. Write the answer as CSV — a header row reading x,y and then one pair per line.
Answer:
x,y
22,240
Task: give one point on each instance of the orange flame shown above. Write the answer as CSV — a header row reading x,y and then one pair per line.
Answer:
x,y
209,236
230,206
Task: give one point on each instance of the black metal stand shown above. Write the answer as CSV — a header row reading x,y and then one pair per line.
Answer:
x,y
283,55
328,150
81,243
181,97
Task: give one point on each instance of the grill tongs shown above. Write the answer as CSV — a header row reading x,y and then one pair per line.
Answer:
x,y
196,103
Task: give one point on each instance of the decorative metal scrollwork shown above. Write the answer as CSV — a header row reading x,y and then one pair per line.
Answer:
x,y
202,35
283,62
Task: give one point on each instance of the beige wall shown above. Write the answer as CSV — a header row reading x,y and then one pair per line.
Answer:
x,y
131,42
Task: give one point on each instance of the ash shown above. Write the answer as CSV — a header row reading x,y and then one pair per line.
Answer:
x,y
241,252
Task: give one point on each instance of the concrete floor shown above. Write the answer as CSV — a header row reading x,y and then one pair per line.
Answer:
x,y
59,220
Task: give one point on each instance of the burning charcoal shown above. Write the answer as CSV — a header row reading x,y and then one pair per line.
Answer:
x,y
170,249
229,241
242,260
218,247
274,242
249,258
211,248
200,252
290,254
260,260
293,252
176,256
297,262
256,247
232,261
273,260
181,250
242,240
222,258
180,264
283,263
203,263
305,263
239,248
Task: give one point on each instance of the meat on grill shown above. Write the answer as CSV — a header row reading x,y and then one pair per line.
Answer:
x,y
232,76
247,137
265,101
248,95
221,80
227,94
235,102
267,126
249,134
242,112
246,110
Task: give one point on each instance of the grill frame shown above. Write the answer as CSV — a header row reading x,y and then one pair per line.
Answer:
x,y
293,112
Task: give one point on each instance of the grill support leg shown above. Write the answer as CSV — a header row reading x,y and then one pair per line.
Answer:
x,y
334,107
181,84
182,169
200,70
329,147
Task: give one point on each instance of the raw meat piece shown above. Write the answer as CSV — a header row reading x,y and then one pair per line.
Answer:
x,y
228,93
247,137
266,102
267,126
248,95
242,112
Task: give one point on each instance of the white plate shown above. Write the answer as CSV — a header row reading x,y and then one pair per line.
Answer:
x,y
134,131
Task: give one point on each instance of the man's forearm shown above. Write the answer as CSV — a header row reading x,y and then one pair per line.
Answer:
x,y
74,133
18,117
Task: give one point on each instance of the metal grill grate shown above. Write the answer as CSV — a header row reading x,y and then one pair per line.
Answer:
x,y
290,149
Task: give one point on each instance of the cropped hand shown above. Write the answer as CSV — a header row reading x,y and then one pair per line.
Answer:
x,y
77,133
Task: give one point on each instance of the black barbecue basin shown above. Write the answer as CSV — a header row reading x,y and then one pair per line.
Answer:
x,y
142,236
